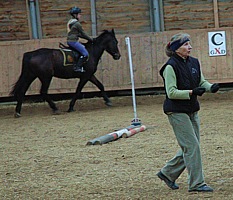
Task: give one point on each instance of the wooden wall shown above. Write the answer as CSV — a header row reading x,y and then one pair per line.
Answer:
x,y
189,14
55,15
124,16
225,13
13,20
127,17
148,57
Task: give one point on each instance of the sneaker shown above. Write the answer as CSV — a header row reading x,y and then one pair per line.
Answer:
x,y
203,188
169,183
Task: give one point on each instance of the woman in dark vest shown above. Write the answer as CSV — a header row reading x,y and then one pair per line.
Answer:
x,y
183,82
75,31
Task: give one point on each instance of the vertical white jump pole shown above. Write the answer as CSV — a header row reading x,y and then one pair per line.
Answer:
x,y
135,121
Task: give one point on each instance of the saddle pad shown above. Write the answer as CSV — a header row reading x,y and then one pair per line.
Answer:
x,y
68,57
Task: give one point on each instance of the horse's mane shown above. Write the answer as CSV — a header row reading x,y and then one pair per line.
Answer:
x,y
100,37
104,32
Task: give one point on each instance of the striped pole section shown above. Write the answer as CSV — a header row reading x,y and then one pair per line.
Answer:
x,y
108,137
112,136
133,131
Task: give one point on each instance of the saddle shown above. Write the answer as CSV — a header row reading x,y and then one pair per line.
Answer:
x,y
70,56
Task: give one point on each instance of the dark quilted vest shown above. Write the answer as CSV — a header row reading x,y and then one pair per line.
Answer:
x,y
188,76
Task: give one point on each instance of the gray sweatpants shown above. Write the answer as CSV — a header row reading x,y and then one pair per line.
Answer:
x,y
186,128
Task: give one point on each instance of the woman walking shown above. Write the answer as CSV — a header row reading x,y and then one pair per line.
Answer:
x,y
183,82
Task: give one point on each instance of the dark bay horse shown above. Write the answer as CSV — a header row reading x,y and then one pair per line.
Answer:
x,y
46,63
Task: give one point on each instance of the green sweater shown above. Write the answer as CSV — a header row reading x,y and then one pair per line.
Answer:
x,y
76,31
171,87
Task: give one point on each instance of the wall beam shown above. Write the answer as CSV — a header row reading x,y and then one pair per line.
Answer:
x,y
216,16
93,18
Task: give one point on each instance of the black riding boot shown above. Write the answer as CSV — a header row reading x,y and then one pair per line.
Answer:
x,y
78,67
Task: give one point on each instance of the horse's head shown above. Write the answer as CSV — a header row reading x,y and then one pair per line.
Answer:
x,y
111,44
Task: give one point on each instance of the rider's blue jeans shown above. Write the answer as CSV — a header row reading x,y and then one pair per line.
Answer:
x,y
79,47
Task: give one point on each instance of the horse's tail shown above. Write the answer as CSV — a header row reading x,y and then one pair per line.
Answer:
x,y
21,80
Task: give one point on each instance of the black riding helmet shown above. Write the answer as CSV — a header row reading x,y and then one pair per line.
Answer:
x,y
75,10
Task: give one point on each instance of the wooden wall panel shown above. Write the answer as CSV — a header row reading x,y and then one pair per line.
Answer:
x,y
136,55
146,61
229,58
189,14
55,15
122,66
13,20
4,85
225,13
125,16
128,17
147,54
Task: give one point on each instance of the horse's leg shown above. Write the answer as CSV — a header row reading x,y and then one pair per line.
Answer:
x,y
20,93
44,92
96,82
77,94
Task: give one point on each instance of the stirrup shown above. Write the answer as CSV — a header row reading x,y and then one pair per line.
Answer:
x,y
79,69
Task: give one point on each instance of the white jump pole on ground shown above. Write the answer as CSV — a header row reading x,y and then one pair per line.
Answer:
x,y
135,121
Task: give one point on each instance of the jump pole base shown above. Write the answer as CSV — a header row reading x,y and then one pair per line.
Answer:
x,y
136,122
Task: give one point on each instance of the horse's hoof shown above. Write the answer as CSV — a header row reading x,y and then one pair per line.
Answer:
x,y
70,110
56,112
17,115
108,103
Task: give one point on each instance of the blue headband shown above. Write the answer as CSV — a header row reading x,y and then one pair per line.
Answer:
x,y
177,44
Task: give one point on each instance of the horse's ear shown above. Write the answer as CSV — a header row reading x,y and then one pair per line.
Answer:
x,y
113,31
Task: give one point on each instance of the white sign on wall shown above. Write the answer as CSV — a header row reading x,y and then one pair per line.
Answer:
x,y
217,43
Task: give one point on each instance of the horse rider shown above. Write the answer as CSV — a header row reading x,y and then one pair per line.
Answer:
x,y
75,31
